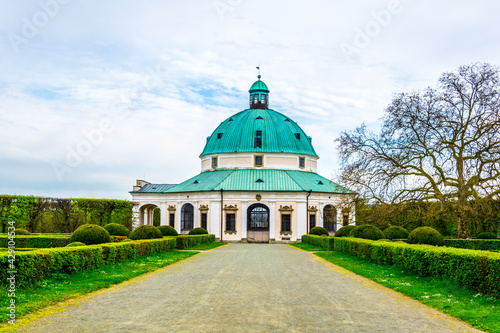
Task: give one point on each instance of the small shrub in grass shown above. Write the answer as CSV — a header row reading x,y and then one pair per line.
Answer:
x,y
90,234
425,235
318,231
167,230
116,229
486,235
21,231
396,232
145,232
344,231
75,244
198,231
367,231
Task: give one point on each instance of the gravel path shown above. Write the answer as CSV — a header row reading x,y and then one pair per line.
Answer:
x,y
249,288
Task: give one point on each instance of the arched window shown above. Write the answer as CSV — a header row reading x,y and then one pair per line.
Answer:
x,y
330,218
187,217
258,217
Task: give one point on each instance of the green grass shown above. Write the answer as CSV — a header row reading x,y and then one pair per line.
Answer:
x,y
207,246
64,287
307,247
480,311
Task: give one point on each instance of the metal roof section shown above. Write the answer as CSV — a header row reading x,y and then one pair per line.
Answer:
x,y
279,134
154,188
258,86
258,180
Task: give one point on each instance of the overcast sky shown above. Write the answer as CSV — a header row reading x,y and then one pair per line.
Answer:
x,y
97,94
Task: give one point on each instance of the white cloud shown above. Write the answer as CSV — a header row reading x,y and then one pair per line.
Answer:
x,y
167,73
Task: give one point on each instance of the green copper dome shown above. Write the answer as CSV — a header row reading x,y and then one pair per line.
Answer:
x,y
258,86
259,130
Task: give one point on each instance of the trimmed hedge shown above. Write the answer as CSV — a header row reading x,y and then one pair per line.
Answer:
x,y
21,231
325,242
425,235
318,231
367,231
90,234
75,244
474,244
116,229
198,231
145,232
477,270
396,232
344,231
33,266
37,241
487,235
184,241
167,230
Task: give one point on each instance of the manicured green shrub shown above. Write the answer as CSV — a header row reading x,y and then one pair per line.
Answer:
x,y
116,229
198,231
323,241
344,231
75,244
91,234
36,241
126,240
474,244
318,231
167,230
367,231
21,231
396,232
425,235
185,241
476,270
40,264
145,232
486,235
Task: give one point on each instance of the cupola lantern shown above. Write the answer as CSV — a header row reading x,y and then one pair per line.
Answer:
x,y
259,95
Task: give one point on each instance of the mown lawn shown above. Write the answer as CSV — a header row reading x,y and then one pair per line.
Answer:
x,y
64,287
480,311
307,247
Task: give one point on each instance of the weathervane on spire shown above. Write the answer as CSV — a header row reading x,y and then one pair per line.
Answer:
x,y
258,68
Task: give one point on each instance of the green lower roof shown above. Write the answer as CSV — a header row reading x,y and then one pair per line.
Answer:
x,y
258,180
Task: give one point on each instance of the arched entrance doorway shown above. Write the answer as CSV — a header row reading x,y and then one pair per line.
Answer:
x,y
258,224
187,218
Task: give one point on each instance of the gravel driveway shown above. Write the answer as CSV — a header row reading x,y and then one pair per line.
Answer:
x,y
249,288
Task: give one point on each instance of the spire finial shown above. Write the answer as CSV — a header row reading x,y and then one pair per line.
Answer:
x,y
258,68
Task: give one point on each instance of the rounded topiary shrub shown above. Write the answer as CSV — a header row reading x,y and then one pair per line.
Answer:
x,y
21,231
116,229
425,235
198,231
145,232
486,235
167,230
126,240
396,232
91,234
75,244
319,231
344,231
367,231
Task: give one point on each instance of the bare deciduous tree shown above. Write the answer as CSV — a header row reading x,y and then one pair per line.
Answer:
x,y
440,144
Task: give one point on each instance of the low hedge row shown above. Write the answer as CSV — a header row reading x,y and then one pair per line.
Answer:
x,y
474,244
36,241
477,270
184,241
39,264
325,242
